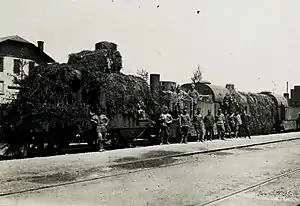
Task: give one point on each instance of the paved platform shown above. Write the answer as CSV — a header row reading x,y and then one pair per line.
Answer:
x,y
190,180
59,163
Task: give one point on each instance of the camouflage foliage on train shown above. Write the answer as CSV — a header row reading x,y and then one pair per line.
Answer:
x,y
268,111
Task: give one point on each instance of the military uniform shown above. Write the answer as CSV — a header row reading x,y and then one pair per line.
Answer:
x,y
220,119
231,122
238,125
245,124
209,125
184,121
165,119
100,122
227,125
199,126
194,96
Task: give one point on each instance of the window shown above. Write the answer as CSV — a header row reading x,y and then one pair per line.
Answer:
x,y
1,87
17,66
31,67
1,64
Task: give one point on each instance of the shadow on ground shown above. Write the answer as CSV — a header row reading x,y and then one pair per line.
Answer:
x,y
142,161
221,153
53,179
126,159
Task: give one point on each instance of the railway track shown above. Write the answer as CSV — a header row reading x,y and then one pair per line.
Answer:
x,y
249,188
144,161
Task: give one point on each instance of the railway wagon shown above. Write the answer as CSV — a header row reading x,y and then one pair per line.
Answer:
x,y
280,116
123,130
289,119
211,98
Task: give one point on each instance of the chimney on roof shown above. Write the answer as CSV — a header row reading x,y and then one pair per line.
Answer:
x,y
41,45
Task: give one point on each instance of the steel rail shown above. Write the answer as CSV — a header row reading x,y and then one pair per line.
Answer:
x,y
251,187
141,169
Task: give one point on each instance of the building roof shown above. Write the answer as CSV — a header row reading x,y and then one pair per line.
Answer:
x,y
14,38
19,39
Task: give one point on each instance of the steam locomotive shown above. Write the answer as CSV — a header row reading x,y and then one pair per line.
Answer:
x,y
270,113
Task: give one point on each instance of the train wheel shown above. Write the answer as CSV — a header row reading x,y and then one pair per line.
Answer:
x,y
123,141
114,140
24,152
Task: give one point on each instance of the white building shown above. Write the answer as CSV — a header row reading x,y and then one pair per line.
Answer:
x,y
18,56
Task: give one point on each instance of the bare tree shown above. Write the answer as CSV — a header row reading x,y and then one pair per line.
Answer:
x,y
143,74
197,75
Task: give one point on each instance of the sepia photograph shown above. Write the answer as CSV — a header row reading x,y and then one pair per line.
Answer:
x,y
150,103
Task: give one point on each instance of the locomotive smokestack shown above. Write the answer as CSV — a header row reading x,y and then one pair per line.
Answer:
x,y
154,84
286,95
230,87
41,45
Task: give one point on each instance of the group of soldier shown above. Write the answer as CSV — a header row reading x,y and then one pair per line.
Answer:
x,y
229,124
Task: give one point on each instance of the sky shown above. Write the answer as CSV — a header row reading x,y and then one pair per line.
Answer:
x,y
254,45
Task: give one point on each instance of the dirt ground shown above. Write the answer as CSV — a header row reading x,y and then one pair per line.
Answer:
x,y
186,181
284,191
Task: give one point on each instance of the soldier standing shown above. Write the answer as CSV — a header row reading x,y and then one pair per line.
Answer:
x,y
209,125
184,124
182,96
220,119
100,121
231,122
238,124
194,95
227,124
227,102
245,122
165,119
199,125
141,112
298,122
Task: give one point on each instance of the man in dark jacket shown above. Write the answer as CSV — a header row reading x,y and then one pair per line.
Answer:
x,y
245,124
298,121
199,125
220,119
184,124
209,125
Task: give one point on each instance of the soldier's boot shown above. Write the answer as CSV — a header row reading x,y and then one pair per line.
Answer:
x,y
161,140
101,146
198,137
220,137
168,140
202,138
